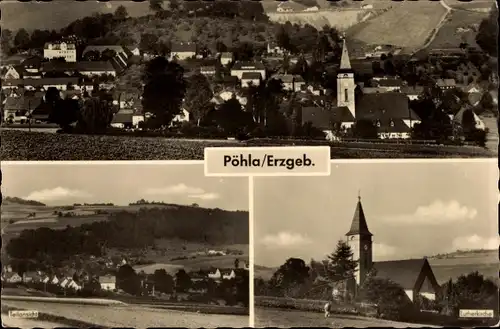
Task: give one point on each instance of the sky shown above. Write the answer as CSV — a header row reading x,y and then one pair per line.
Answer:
x,y
64,184
412,209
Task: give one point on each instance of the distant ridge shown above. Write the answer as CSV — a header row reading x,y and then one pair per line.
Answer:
x,y
16,200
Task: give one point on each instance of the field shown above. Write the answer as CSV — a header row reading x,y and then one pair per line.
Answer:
x,y
131,315
476,5
451,265
415,19
22,145
460,26
269,317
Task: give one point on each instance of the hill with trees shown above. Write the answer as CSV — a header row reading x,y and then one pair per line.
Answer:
x,y
133,230
21,201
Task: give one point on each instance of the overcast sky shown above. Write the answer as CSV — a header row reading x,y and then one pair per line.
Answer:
x,y
122,184
413,210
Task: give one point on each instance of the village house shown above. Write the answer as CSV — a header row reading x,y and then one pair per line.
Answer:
x,y
207,70
43,83
60,50
87,68
180,118
12,72
13,60
32,276
183,51
412,92
248,67
226,95
119,61
446,84
314,89
250,79
11,277
390,84
228,274
290,82
458,118
415,276
226,58
215,274
17,109
107,282
274,49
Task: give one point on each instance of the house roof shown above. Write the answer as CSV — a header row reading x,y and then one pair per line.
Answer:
x,y
227,55
101,48
390,82
362,66
373,90
403,272
446,82
412,90
244,65
183,47
57,45
41,82
14,59
474,98
358,225
207,68
121,117
32,62
384,107
9,275
288,78
322,118
22,103
77,66
250,75
107,279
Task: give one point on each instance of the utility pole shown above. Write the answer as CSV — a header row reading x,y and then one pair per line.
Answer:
x,y
29,115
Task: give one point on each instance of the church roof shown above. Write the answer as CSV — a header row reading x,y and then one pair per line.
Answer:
x,y
358,225
403,272
322,118
345,63
384,106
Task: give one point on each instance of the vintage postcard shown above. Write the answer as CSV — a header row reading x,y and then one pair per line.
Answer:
x,y
163,80
123,245
394,244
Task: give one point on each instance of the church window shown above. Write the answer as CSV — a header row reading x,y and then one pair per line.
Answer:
x,y
346,96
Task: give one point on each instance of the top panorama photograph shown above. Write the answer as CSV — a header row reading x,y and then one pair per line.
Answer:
x,y
162,80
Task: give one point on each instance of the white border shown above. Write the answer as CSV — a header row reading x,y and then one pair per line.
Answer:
x,y
251,251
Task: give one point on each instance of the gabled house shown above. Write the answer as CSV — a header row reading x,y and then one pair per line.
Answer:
x,y
239,68
107,282
32,276
215,274
412,92
226,58
207,70
123,120
290,82
60,50
458,118
250,79
445,84
180,118
183,51
12,72
11,277
389,84
17,109
274,49
228,274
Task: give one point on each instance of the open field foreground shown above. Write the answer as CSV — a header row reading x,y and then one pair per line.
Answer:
x,y
132,316
408,18
268,317
21,145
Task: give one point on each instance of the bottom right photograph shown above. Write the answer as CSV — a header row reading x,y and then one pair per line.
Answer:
x,y
378,244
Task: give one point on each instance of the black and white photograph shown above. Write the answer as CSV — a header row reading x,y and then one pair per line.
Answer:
x,y
378,244
123,245
163,80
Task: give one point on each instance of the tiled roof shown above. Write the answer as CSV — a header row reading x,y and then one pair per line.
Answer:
x,y
403,272
384,106
183,47
446,82
101,48
322,118
77,66
410,90
248,66
250,75
50,81
227,55
22,103
358,225
107,279
390,82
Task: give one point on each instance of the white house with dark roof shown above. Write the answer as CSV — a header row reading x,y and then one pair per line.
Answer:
x,y
445,84
250,79
226,58
87,68
60,50
183,51
248,67
389,84
415,276
290,82
107,282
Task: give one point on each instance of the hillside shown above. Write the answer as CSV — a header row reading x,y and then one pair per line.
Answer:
x,y
7,200
445,266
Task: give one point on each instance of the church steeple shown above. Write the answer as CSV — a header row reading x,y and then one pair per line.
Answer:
x,y
345,63
358,225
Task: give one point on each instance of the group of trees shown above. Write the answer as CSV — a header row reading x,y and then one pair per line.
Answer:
x,y
318,279
132,230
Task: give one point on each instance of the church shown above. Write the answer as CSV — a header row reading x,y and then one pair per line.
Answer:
x,y
388,111
414,275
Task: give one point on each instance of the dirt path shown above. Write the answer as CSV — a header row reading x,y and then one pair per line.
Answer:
x,y
438,27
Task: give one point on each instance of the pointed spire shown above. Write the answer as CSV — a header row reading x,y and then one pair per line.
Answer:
x,y
358,225
345,63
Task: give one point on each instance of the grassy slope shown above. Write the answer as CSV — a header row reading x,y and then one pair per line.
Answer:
x,y
453,265
406,18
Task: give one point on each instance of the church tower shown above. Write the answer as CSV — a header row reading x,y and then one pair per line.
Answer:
x,y
345,82
359,239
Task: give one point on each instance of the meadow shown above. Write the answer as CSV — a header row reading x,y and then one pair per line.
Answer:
x,y
131,315
417,19
22,146
269,317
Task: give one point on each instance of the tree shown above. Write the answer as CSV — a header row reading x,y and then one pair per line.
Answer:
x,y
486,36
198,96
164,90
365,129
22,39
148,42
163,281
63,112
283,38
236,263
293,273
121,13
231,118
173,5
96,115
182,281
341,264
156,5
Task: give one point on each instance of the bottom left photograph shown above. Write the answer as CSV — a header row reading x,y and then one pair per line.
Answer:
x,y
123,245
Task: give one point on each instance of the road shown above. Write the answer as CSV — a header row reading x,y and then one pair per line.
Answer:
x,y
436,29
28,323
